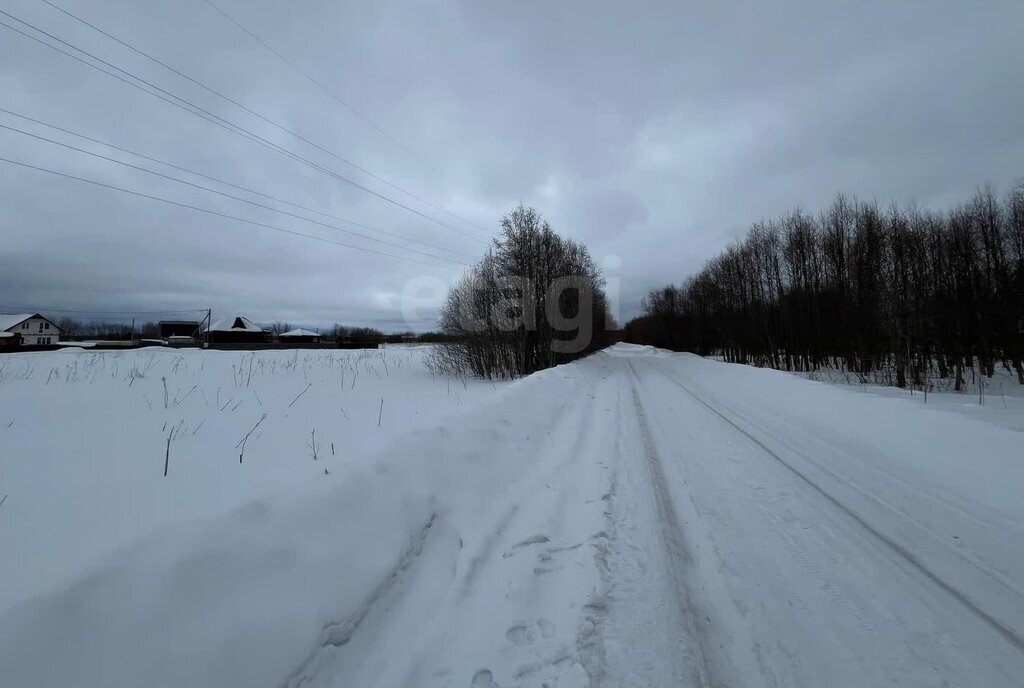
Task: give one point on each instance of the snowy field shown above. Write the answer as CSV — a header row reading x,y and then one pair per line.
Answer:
x,y
83,440
637,518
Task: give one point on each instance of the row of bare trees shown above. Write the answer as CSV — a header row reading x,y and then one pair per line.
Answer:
x,y
535,300
72,328
861,287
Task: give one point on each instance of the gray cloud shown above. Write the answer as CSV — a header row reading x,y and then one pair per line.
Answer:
x,y
655,132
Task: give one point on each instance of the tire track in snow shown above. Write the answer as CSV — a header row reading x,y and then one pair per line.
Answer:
x,y
1011,635
337,634
834,594
485,552
998,577
550,657
674,544
591,641
512,613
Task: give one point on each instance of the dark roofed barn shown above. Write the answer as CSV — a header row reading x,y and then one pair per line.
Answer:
x,y
178,328
237,330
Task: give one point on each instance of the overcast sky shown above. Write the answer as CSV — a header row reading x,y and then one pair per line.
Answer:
x,y
653,132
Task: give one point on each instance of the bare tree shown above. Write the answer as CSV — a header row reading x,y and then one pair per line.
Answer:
x,y
533,301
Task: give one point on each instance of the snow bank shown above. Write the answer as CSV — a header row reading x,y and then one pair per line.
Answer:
x,y
999,399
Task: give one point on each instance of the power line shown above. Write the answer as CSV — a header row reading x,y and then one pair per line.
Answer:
x,y
221,193
326,90
183,104
224,182
194,109
209,116
215,212
283,128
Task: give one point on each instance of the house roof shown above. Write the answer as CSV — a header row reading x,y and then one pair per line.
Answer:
x,y
7,321
299,333
10,321
238,323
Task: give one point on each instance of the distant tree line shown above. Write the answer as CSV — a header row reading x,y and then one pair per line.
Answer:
x,y
859,286
73,329
533,301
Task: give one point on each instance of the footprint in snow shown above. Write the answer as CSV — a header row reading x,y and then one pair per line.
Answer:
x,y
483,679
526,634
520,635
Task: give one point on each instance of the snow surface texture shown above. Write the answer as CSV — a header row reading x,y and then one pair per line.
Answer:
x,y
634,519
83,439
999,399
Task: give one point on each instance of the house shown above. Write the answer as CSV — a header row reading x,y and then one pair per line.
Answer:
x,y
178,328
300,336
32,328
237,330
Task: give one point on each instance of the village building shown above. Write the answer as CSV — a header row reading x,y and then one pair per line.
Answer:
x,y
237,330
178,328
299,336
9,340
31,329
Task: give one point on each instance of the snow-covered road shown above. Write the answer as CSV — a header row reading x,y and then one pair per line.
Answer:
x,y
813,540
753,530
634,519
